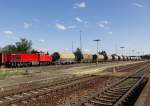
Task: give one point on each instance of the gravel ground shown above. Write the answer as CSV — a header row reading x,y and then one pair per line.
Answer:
x,y
36,73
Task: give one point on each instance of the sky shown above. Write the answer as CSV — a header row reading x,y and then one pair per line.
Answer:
x,y
54,25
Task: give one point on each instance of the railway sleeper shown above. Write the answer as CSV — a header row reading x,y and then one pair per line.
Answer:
x,y
133,95
86,104
105,99
123,87
110,94
116,92
100,103
127,84
118,88
17,96
108,97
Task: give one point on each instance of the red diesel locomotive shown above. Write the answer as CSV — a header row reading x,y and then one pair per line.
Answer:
x,y
19,60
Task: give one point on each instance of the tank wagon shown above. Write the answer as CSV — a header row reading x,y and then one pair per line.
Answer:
x,y
99,58
109,58
87,58
115,57
134,58
63,58
125,58
122,58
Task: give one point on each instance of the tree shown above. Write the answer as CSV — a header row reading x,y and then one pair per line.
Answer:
x,y
78,54
104,53
9,49
24,46
0,50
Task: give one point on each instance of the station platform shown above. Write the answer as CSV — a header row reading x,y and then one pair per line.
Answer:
x,y
144,98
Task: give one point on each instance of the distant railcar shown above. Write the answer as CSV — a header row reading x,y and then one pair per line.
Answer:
x,y
87,58
125,58
121,58
129,58
63,58
109,58
98,58
133,58
115,58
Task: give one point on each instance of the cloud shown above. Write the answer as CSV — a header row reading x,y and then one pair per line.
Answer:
x,y
78,19
110,33
103,24
138,5
36,20
71,27
8,32
42,40
60,26
27,25
80,5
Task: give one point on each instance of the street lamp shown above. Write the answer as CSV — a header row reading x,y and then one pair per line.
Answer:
x,y
97,41
122,49
133,52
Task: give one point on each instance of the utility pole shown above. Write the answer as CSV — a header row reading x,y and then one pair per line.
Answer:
x,y
72,47
81,40
138,53
133,52
129,52
97,41
116,48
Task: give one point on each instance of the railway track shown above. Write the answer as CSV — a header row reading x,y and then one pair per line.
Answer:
x,y
57,67
125,68
23,97
43,93
50,82
122,93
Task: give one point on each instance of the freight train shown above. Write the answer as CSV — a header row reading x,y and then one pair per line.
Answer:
x,y
71,58
36,58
